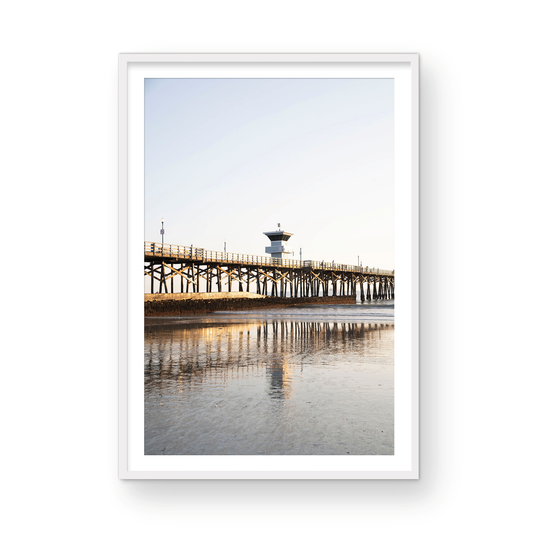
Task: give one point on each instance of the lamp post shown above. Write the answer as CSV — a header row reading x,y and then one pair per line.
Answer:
x,y
224,246
300,253
162,231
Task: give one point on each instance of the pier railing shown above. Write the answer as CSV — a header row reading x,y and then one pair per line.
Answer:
x,y
190,253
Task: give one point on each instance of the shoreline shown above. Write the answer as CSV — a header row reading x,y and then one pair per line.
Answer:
x,y
179,307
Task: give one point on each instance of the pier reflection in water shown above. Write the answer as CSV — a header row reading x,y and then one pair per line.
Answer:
x,y
268,387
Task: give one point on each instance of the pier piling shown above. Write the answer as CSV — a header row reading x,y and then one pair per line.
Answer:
x,y
203,271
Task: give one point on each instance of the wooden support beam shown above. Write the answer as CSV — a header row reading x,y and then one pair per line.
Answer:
x,y
292,283
198,278
176,272
266,275
271,280
164,279
265,282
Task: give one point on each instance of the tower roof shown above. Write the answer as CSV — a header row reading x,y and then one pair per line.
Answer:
x,y
278,235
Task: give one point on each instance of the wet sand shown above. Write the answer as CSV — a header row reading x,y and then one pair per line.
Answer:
x,y
305,381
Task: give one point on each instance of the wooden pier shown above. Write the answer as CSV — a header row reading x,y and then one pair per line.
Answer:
x,y
183,269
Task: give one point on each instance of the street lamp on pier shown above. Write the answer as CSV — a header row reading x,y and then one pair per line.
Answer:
x,y
162,231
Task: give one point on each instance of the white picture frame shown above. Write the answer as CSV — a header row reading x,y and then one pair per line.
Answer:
x,y
405,69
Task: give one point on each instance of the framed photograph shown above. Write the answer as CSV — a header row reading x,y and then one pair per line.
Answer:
x,y
268,266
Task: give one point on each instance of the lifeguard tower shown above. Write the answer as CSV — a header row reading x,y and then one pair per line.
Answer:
x,y
278,243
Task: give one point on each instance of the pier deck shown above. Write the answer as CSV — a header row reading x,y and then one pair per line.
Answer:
x,y
201,270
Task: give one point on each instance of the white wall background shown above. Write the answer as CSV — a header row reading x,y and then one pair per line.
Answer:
x,y
59,223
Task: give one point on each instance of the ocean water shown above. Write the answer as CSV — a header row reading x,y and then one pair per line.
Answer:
x,y
303,380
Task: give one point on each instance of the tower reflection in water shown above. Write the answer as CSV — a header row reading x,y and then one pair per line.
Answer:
x,y
273,387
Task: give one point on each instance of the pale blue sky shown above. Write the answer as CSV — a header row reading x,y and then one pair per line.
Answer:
x,y
227,159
